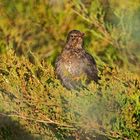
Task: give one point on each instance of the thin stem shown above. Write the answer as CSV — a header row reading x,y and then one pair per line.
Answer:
x,y
47,121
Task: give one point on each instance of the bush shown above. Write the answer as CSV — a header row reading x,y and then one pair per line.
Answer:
x,y
32,33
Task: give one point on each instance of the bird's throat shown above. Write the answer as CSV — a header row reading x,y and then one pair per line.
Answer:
x,y
74,45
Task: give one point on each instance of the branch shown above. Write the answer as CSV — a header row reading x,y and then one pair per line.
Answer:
x,y
8,93
101,29
47,121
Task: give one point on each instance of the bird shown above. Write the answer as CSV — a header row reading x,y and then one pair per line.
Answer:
x,y
74,66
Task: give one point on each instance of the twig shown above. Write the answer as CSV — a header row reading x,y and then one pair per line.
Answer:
x,y
47,121
9,94
86,19
101,29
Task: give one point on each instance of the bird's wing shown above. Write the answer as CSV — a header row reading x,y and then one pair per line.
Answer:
x,y
90,67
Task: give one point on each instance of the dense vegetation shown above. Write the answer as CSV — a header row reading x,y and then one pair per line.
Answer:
x,y
34,104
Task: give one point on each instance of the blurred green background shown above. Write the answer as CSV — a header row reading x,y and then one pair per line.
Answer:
x,y
41,27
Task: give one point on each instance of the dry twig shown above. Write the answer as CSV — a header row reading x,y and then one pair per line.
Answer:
x,y
47,121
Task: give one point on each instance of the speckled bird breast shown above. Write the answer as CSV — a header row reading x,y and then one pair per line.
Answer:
x,y
72,62
75,66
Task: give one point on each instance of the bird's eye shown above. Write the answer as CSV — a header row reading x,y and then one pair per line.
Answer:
x,y
72,36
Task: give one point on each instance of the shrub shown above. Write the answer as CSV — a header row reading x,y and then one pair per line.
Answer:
x,y
32,33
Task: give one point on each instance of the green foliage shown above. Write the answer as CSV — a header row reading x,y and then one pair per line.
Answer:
x,y
33,32
33,96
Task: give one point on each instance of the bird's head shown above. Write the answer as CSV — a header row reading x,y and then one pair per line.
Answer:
x,y
75,39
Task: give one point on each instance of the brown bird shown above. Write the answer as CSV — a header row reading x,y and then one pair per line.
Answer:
x,y
74,66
